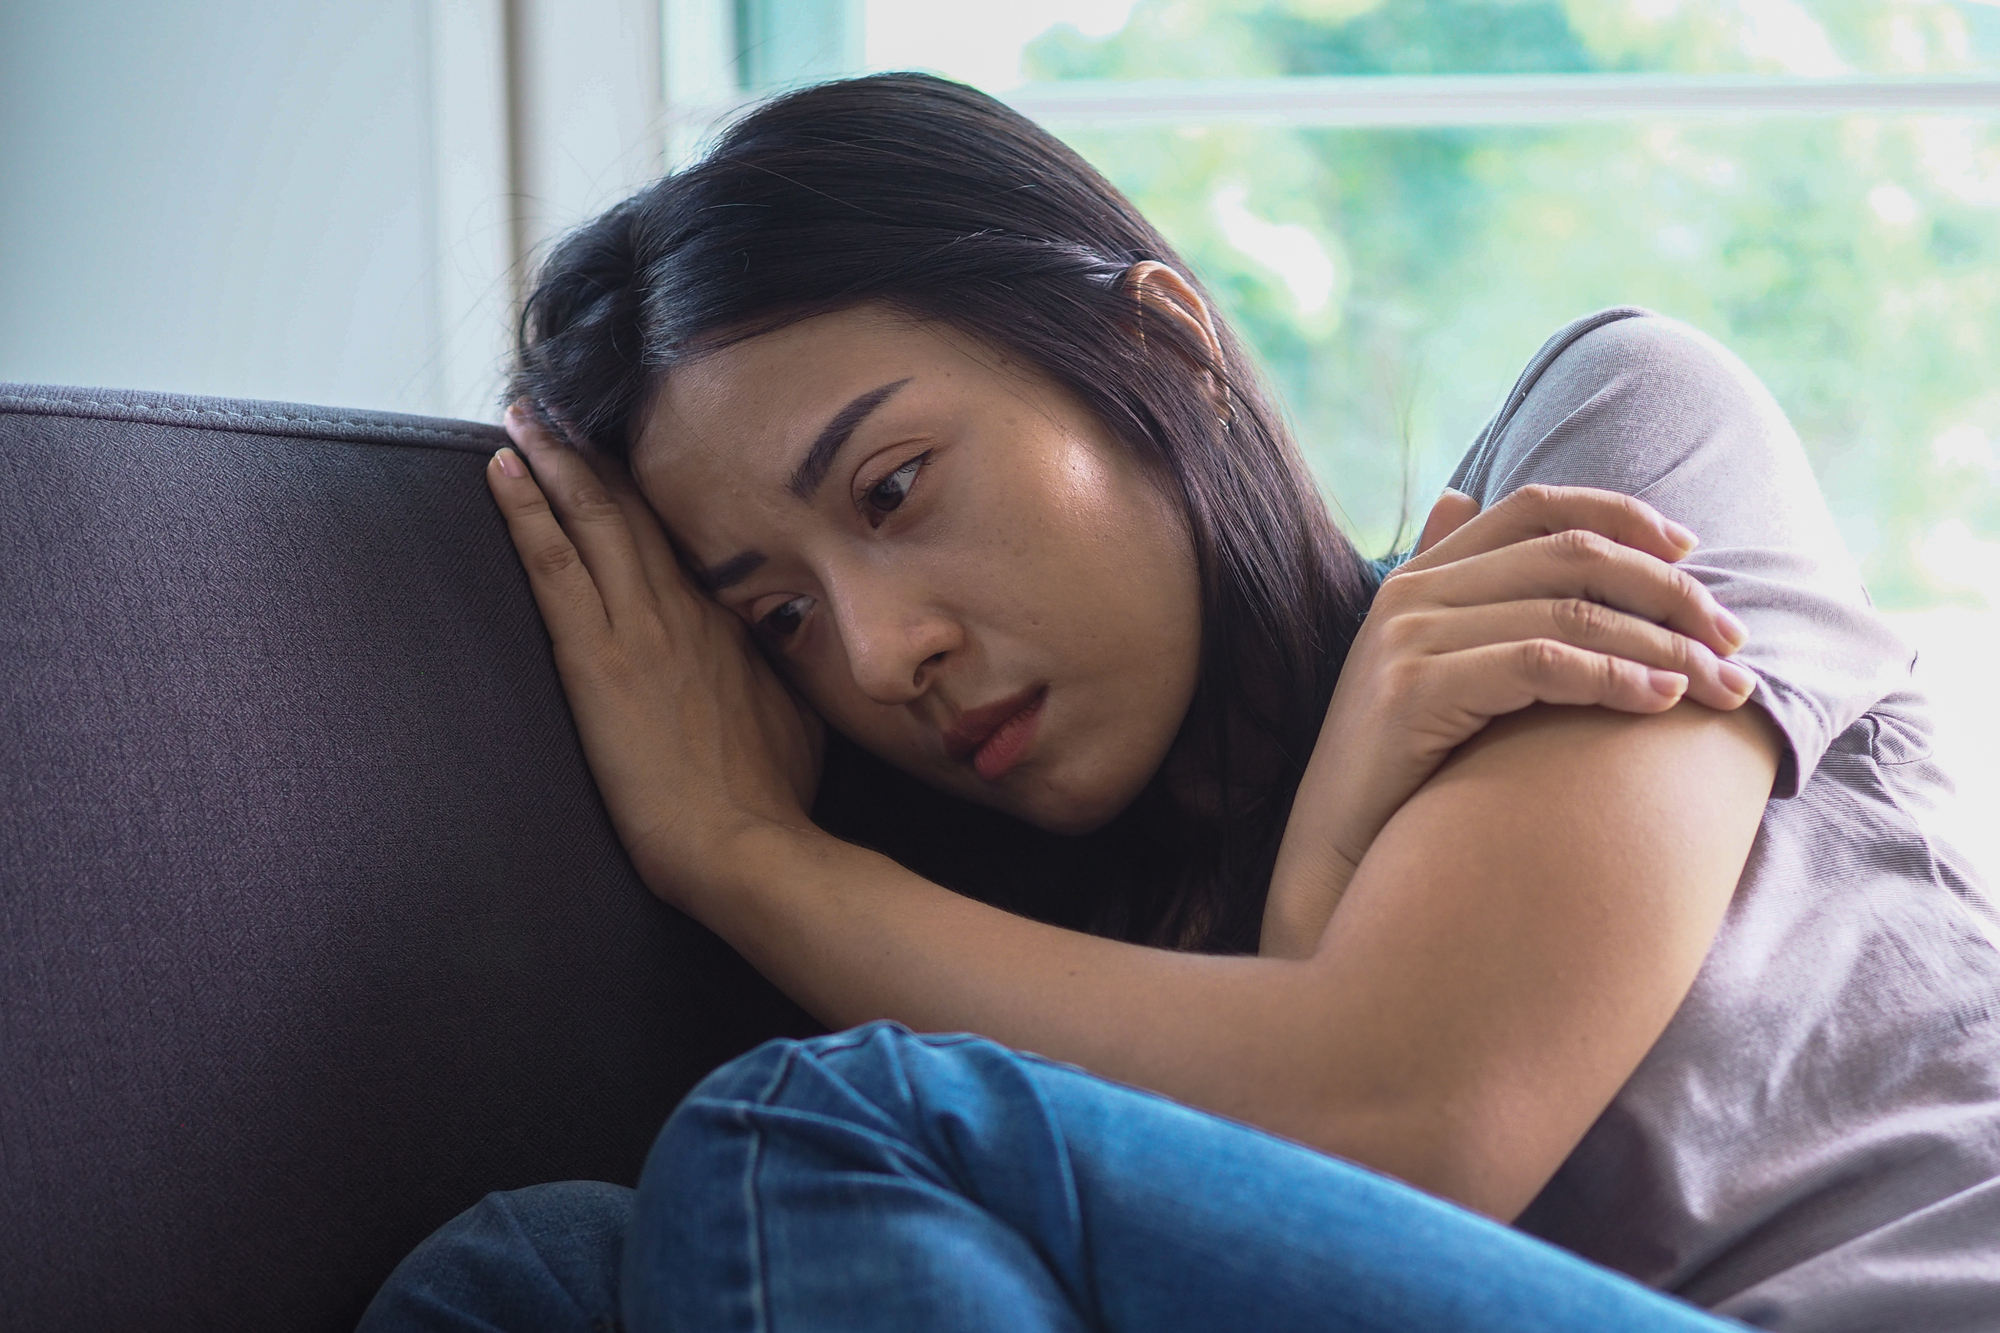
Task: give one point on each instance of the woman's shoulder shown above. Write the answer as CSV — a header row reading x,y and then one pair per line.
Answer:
x,y
1633,401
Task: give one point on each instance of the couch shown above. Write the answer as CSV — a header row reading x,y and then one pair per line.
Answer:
x,y
312,926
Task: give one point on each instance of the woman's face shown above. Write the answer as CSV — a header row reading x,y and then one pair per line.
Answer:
x,y
954,561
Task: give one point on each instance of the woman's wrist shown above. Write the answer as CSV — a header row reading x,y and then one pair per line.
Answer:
x,y
1337,811
1307,883
685,862
715,873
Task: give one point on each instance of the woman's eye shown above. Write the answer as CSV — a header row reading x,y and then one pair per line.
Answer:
x,y
893,489
783,621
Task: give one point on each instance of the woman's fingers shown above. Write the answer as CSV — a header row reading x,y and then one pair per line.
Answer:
x,y
656,555
1500,678
1581,563
1453,510
1584,625
593,521
1540,511
1571,541
562,585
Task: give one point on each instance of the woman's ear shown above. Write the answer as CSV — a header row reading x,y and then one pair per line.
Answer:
x,y
1161,290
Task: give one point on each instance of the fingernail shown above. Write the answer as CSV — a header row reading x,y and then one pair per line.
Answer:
x,y
1734,631
1682,534
1739,679
1667,684
510,463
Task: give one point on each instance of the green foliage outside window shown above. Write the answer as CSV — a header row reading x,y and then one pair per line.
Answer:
x,y
1395,280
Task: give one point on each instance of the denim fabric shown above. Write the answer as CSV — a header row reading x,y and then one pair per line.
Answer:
x,y
543,1258
879,1180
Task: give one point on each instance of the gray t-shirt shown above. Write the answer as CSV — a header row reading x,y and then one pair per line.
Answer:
x,y
1814,1142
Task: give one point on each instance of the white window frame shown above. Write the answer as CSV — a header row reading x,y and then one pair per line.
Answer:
x,y
1388,100
546,111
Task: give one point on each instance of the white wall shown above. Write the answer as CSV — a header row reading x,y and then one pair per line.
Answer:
x,y
314,202
588,124
218,196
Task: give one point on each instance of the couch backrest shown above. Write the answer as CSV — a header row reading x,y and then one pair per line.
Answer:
x,y
312,926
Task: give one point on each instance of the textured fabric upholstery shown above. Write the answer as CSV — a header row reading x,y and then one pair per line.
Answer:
x,y
312,926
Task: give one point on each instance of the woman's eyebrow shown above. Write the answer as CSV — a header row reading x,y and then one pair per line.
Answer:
x,y
805,481
813,469
714,578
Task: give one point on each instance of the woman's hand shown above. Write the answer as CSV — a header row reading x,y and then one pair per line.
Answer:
x,y
1561,595
689,732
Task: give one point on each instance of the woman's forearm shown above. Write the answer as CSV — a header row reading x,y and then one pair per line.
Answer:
x,y
1508,951
853,936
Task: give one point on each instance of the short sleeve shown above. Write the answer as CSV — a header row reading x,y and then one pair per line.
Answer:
x,y
1629,401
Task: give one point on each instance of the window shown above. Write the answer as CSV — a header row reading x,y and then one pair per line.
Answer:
x,y
1397,202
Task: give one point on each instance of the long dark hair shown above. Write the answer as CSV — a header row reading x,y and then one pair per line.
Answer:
x,y
940,202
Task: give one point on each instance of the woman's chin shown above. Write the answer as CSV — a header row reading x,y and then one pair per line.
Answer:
x,y
1069,811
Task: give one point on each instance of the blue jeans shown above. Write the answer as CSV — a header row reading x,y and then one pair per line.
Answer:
x,y
880,1180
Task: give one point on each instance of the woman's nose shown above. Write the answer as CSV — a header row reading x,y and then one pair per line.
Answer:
x,y
894,642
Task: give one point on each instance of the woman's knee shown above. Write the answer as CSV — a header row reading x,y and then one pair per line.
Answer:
x,y
869,1132
544,1257
880,1074
751,1096
873,1097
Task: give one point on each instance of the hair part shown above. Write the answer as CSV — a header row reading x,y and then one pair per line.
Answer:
x,y
943,204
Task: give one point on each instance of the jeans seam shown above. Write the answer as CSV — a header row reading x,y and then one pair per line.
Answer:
x,y
911,1157
754,1224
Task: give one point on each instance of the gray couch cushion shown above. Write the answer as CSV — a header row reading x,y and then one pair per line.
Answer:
x,y
312,926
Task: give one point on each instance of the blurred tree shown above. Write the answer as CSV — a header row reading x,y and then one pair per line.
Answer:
x,y
1394,281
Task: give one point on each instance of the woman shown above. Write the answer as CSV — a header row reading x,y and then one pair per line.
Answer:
x,y
933,418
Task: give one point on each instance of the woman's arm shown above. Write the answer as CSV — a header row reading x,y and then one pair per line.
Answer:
x,y
1485,621
1511,946
1432,1034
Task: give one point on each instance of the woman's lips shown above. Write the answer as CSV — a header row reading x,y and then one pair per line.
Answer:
x,y
1009,741
993,738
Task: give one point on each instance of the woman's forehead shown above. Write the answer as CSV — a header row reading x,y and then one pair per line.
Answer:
x,y
754,408
738,445
763,397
